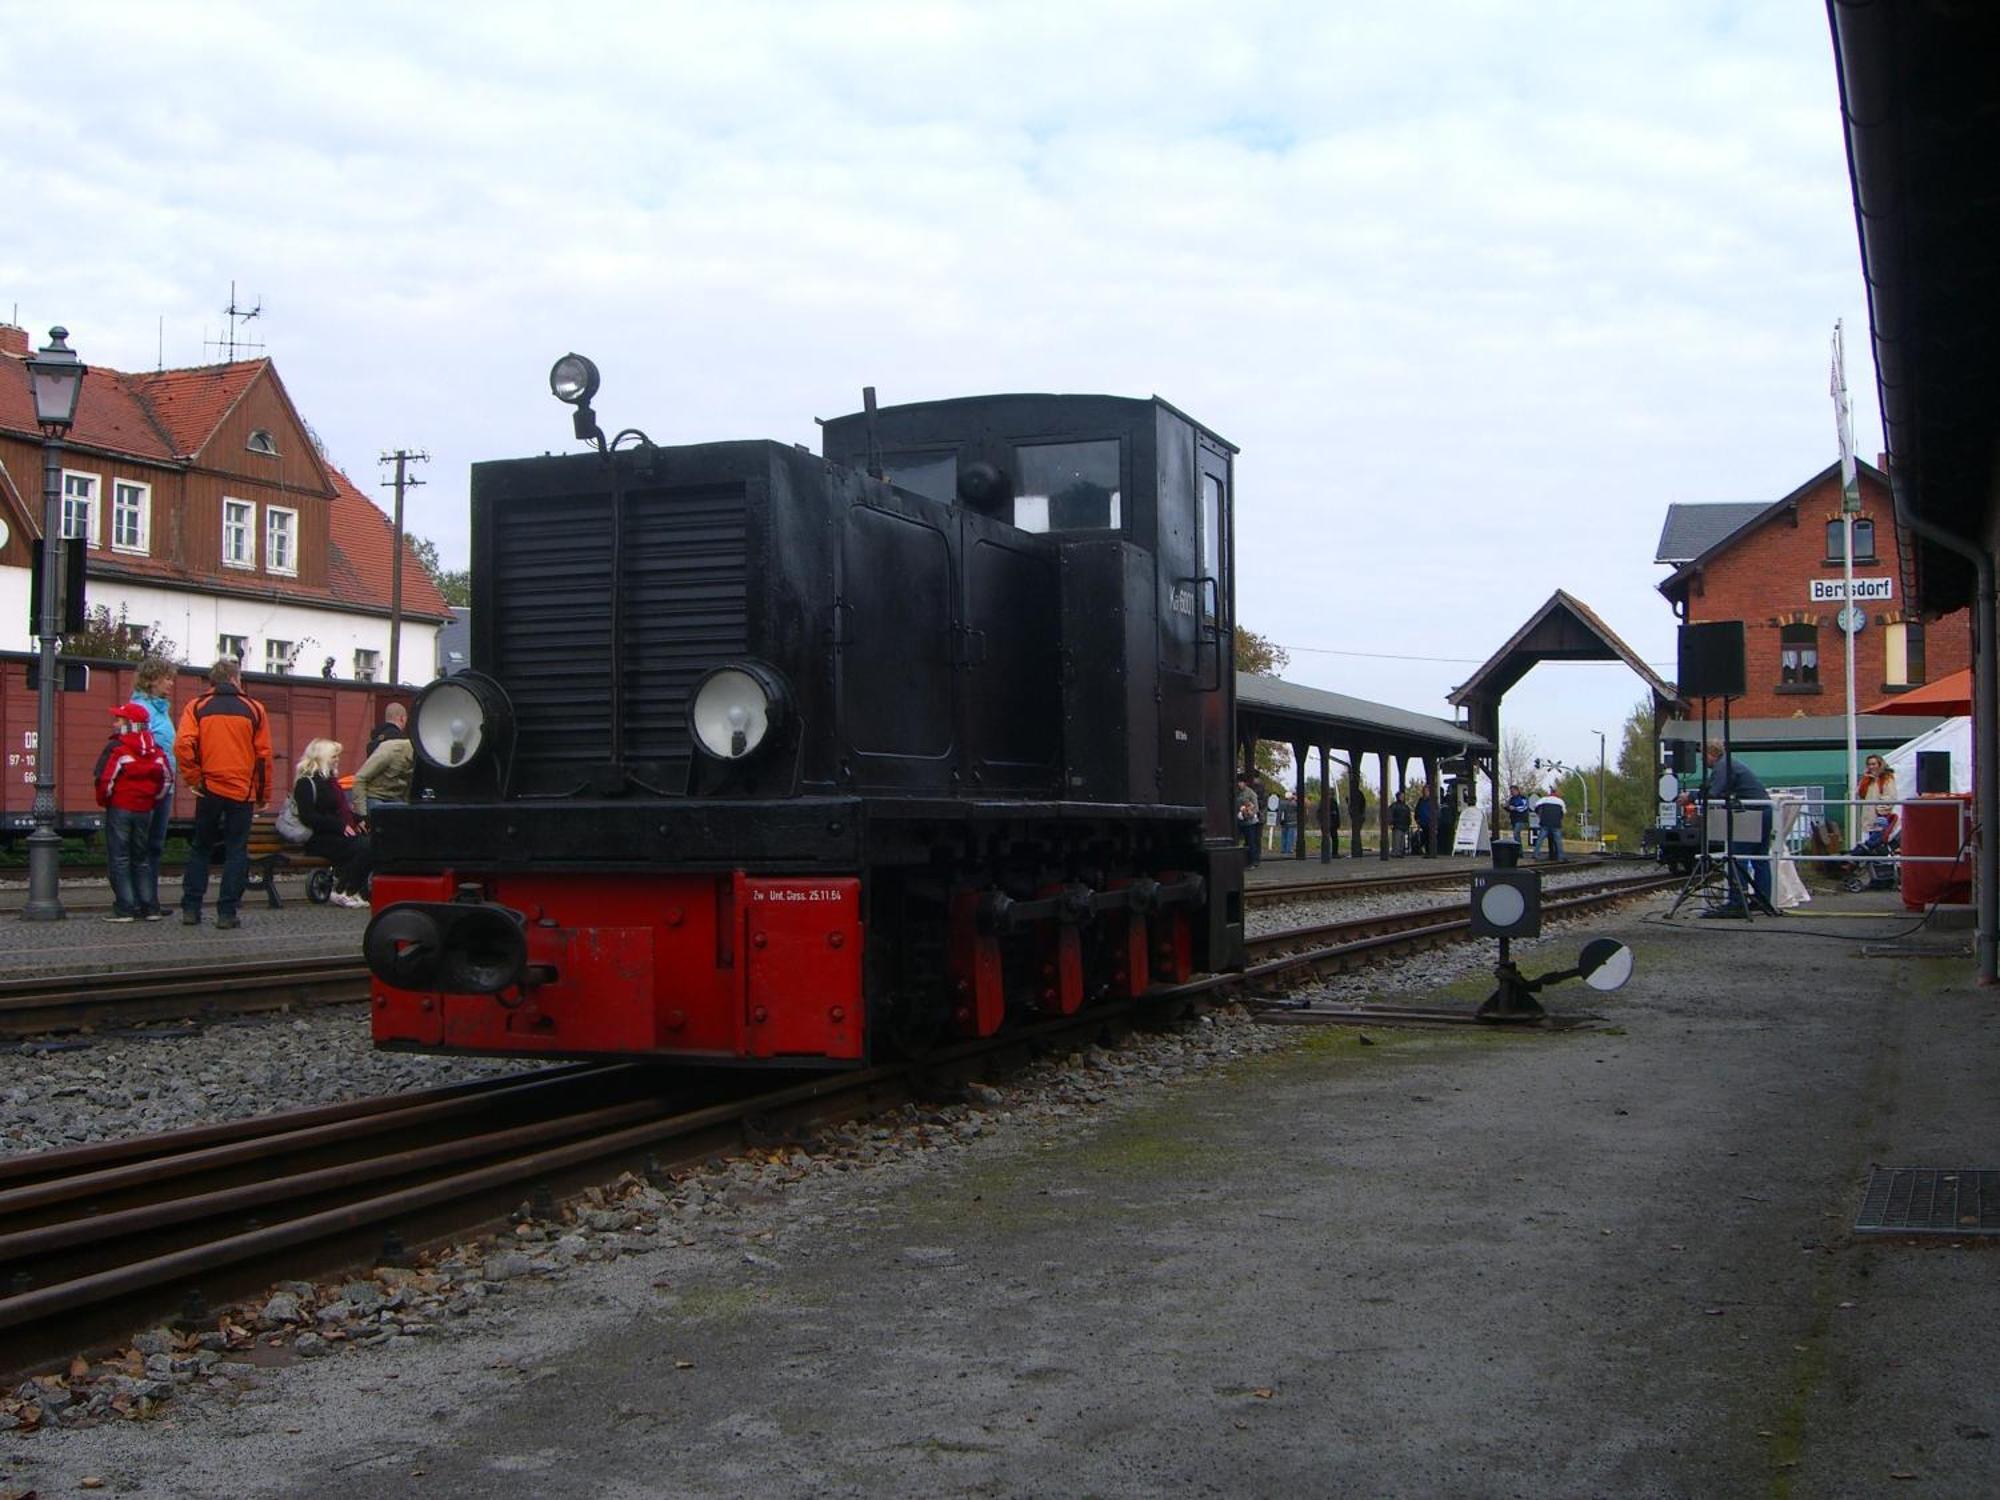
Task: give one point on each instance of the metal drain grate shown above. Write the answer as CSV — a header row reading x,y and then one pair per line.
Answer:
x,y
1930,1200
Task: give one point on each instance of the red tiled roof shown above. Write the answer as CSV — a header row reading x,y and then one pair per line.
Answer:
x,y
360,549
109,413
190,404
166,417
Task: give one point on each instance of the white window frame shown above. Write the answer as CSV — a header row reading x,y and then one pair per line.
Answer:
x,y
269,447
96,502
144,506
224,642
249,533
290,567
278,665
367,664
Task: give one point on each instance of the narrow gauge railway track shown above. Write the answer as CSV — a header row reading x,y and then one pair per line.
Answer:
x,y
1443,874
1331,946
41,1004
96,1239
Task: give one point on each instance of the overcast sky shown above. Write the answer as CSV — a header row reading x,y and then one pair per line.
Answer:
x,y
1479,289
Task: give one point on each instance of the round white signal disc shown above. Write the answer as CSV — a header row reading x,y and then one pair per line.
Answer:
x,y
1502,905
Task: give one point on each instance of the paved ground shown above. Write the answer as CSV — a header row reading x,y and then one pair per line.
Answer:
x,y
84,942
1609,1263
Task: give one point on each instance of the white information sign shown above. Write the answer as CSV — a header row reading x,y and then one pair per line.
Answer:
x,y
1834,590
1472,835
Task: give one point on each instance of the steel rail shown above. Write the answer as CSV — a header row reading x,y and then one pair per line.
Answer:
x,y
152,1171
39,1164
610,1132
48,1003
1443,923
1382,924
1305,890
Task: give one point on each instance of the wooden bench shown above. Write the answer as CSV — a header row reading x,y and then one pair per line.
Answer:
x,y
270,854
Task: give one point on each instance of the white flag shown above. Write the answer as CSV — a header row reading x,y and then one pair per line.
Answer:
x,y
1843,421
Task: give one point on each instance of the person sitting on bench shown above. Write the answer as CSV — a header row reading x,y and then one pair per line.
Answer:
x,y
323,808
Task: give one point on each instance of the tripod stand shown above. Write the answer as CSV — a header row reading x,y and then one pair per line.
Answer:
x,y
1719,883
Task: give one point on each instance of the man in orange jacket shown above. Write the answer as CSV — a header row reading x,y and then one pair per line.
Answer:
x,y
223,748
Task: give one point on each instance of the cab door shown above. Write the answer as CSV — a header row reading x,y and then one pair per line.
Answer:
x,y
1215,616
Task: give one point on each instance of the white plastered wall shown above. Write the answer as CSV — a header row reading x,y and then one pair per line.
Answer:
x,y
196,622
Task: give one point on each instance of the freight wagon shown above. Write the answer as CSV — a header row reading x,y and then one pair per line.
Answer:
x,y
301,709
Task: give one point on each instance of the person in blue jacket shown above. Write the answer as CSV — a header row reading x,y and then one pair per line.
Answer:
x,y
153,690
1519,811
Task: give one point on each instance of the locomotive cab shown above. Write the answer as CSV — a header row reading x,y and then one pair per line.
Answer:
x,y
769,757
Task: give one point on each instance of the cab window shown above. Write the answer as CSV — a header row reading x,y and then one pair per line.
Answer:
x,y
932,475
1211,540
1068,487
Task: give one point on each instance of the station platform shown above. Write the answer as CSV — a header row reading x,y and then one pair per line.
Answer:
x,y
84,943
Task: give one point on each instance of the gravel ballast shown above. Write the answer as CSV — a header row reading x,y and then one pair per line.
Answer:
x,y
115,1086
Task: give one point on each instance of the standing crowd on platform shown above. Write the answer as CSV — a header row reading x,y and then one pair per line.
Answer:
x,y
220,749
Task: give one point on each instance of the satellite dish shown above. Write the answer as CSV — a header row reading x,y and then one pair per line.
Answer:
x,y
1670,786
1605,964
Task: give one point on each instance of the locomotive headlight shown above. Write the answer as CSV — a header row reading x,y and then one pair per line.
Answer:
x,y
573,379
735,708
456,720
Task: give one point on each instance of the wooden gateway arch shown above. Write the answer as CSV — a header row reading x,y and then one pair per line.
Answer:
x,y
1564,629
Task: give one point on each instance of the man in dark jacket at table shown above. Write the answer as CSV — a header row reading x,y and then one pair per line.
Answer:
x,y
1731,784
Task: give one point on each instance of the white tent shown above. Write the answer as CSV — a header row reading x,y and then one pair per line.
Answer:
x,y
1954,735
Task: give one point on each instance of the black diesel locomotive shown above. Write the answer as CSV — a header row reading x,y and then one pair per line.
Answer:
x,y
769,757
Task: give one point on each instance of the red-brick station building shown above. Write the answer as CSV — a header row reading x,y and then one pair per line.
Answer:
x,y
1778,567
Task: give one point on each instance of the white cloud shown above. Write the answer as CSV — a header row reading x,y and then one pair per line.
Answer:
x,y
1480,290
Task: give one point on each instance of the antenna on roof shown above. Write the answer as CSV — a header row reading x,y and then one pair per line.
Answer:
x,y
237,315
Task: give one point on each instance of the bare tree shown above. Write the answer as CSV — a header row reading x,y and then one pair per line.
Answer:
x,y
1517,761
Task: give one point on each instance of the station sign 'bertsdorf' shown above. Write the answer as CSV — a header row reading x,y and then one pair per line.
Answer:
x,y
1834,590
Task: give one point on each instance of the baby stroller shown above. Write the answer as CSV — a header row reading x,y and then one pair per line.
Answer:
x,y
1871,866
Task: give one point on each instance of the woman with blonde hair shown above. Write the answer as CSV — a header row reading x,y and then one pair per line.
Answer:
x,y
323,808
1880,829
1878,785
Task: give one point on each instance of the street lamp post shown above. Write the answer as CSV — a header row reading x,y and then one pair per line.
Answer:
x,y
56,375
1601,820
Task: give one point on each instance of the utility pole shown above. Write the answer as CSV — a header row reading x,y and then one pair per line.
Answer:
x,y
402,458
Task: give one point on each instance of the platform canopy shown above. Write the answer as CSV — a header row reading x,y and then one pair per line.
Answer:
x,y
1339,728
1564,629
1269,708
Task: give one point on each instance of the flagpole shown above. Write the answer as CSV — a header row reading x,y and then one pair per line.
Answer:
x,y
1850,504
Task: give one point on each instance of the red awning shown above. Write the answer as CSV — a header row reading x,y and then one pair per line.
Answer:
x,y
1948,698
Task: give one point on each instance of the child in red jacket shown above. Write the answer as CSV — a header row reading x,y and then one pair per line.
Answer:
x,y
132,777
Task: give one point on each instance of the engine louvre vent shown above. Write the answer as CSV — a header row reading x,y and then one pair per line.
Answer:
x,y
684,587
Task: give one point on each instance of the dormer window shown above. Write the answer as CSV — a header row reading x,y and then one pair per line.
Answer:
x,y
261,441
